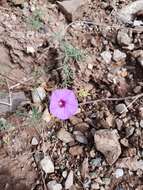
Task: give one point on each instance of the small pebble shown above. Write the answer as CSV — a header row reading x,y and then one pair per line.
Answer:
x,y
75,120
137,89
129,131
137,23
53,185
137,124
30,49
32,7
83,127
141,112
46,116
124,142
79,136
69,180
141,123
119,173
106,55
140,60
130,47
118,55
76,150
34,141
38,94
139,172
95,186
92,153
106,180
64,174
93,42
123,38
47,165
120,108
65,136
102,188
90,66
119,123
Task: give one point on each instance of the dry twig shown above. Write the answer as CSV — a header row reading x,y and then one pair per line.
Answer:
x,y
81,22
21,83
134,98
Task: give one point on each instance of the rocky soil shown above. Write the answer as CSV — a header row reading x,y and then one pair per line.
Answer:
x,y
94,48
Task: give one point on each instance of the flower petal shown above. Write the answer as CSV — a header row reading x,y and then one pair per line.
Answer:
x,y
71,103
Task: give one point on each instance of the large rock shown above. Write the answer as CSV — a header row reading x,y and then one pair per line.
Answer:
x,y
70,7
107,143
127,13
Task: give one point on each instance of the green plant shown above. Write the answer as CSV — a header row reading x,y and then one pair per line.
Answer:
x,y
32,118
2,82
35,21
57,36
21,113
4,125
71,52
67,75
35,115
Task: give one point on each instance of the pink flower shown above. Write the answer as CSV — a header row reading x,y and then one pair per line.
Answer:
x,y
63,104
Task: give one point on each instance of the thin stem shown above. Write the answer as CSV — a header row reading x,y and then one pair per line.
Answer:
x,y
113,99
88,22
3,75
80,22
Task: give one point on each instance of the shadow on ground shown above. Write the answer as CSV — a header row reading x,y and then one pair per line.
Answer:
x,y
8,182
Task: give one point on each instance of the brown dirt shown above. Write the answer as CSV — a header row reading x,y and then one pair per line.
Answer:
x,y
40,66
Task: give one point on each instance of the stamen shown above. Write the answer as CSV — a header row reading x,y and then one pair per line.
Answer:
x,y
62,103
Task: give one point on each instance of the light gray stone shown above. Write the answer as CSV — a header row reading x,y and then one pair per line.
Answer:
x,y
53,185
119,173
34,141
69,180
65,136
47,165
141,123
38,94
123,38
120,108
118,55
80,137
106,55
